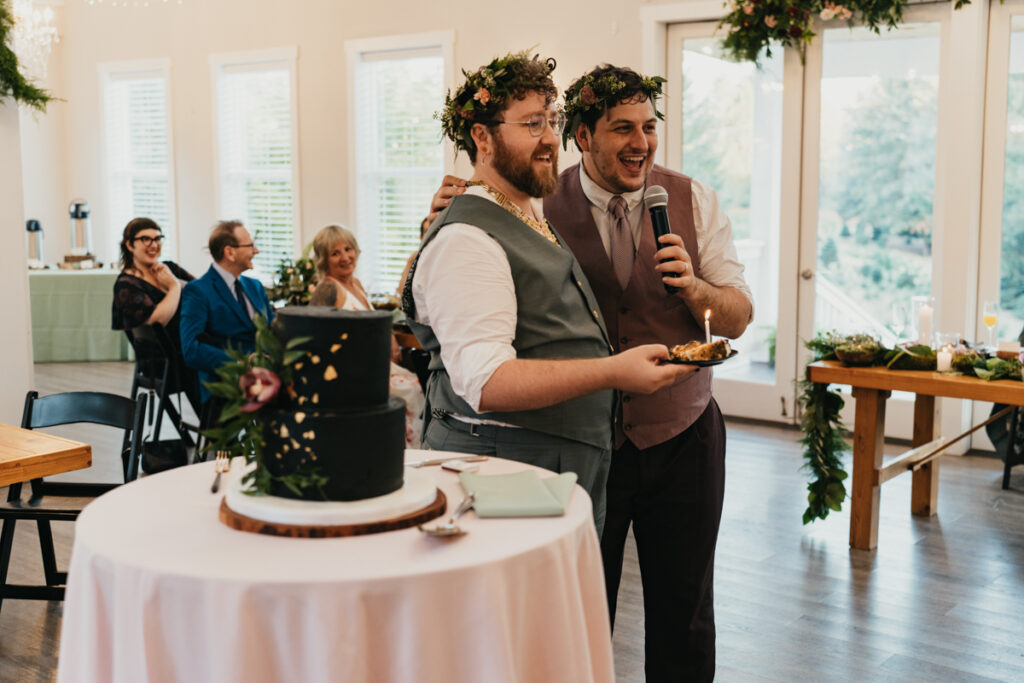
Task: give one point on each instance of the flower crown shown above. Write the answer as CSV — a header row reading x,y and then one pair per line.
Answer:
x,y
601,93
487,91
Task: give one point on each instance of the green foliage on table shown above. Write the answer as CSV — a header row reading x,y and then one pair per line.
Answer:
x,y
823,440
756,25
917,357
240,431
12,83
294,281
999,368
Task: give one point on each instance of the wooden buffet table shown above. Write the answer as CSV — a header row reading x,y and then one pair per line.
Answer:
x,y
871,387
27,455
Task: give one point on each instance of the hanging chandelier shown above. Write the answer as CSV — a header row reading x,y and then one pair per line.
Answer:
x,y
33,37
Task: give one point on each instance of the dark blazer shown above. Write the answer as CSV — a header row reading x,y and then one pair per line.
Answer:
x,y
212,319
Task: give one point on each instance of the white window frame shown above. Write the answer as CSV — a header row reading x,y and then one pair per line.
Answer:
x,y
354,50
281,56
161,67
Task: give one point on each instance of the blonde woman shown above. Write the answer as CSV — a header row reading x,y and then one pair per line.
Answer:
x,y
336,253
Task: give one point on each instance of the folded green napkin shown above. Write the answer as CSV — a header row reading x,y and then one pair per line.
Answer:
x,y
523,494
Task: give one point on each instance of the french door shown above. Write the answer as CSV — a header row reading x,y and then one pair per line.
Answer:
x,y
832,172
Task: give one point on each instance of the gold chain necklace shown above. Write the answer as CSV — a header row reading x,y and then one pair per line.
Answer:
x,y
541,227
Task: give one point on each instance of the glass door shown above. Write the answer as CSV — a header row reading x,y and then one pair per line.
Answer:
x,y
870,141
729,126
1001,271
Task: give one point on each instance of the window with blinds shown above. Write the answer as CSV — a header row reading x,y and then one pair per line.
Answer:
x,y
399,157
255,100
138,147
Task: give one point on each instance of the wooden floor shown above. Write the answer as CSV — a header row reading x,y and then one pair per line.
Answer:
x,y
941,599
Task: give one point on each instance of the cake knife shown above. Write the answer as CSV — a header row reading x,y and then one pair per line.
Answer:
x,y
438,461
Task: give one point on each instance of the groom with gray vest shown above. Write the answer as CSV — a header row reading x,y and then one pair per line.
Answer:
x,y
521,365
667,474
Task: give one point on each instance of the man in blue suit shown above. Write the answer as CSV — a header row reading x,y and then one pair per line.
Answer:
x,y
217,309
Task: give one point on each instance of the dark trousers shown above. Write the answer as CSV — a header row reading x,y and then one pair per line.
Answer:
x,y
672,494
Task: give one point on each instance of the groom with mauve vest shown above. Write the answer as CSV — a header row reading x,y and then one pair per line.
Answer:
x,y
667,474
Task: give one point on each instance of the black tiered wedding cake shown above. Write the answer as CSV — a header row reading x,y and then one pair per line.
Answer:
x,y
338,416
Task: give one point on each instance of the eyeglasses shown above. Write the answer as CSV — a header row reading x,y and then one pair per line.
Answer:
x,y
148,241
242,246
538,122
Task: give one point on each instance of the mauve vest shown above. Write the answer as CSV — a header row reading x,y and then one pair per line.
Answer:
x,y
557,316
644,313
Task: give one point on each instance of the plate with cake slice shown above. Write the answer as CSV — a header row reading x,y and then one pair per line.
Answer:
x,y
703,355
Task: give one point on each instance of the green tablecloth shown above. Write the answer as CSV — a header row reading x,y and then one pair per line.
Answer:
x,y
71,316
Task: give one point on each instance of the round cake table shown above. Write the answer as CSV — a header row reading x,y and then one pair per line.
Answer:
x,y
160,590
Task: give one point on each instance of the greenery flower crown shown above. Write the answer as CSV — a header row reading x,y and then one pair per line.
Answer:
x,y
488,89
602,93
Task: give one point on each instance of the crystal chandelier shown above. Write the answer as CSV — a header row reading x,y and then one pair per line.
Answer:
x,y
33,37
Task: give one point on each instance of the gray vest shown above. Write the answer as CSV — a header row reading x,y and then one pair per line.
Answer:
x,y
557,316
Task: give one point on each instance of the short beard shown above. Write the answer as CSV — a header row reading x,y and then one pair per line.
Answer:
x,y
520,174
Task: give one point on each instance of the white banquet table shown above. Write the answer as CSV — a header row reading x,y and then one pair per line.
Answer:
x,y
160,590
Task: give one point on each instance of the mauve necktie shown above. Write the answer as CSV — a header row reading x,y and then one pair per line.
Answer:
x,y
621,242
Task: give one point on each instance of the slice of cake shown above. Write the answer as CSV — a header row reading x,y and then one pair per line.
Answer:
x,y
695,351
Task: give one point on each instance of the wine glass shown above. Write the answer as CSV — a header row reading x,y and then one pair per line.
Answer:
x,y
990,316
899,319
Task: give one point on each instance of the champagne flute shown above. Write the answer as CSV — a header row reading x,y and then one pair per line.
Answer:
x,y
990,316
899,320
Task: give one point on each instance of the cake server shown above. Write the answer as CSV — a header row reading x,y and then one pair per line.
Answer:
x,y
438,461
451,529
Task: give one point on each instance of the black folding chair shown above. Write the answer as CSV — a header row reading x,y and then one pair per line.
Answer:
x,y
60,409
159,370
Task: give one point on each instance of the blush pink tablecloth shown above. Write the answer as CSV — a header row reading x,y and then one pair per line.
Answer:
x,y
160,590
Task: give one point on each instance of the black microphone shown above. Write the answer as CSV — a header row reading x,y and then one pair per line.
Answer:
x,y
656,201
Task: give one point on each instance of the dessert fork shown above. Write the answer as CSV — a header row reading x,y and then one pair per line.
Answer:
x,y
222,465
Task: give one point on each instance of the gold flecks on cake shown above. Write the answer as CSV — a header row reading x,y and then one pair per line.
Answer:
x,y
284,431
302,399
295,444
298,366
314,359
309,436
313,456
330,373
316,398
335,348
305,380
299,417
291,391
344,336
285,448
308,449
278,455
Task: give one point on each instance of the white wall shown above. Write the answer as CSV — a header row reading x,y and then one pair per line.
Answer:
x,y
68,147
16,331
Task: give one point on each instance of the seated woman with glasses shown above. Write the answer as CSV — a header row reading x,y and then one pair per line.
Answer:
x,y
148,291
336,252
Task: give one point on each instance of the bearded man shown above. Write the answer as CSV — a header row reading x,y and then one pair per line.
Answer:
x,y
521,366
667,476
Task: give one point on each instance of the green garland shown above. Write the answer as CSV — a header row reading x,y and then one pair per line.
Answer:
x,y
756,25
823,440
12,83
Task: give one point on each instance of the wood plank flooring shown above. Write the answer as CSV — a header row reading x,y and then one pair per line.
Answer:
x,y
941,599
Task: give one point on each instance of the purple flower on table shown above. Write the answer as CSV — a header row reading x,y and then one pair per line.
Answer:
x,y
259,386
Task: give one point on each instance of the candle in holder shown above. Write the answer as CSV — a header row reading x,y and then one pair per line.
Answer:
x,y
944,359
924,325
707,326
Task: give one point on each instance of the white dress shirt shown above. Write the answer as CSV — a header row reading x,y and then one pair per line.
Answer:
x,y
719,264
230,280
463,289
